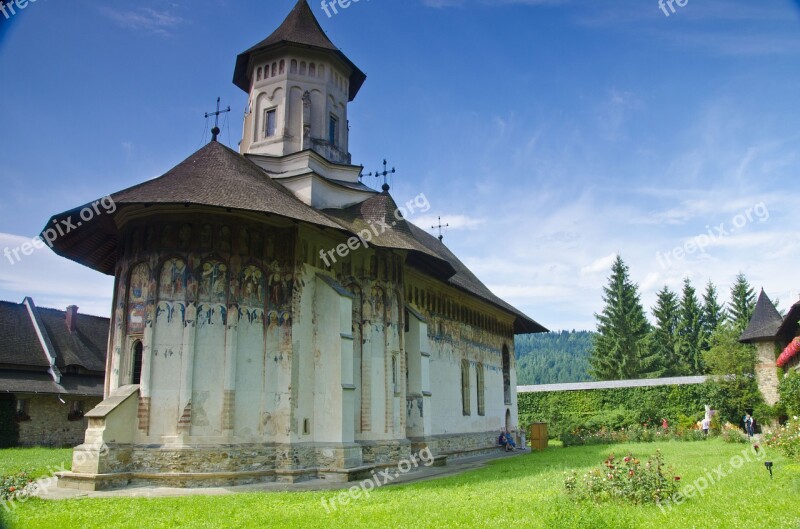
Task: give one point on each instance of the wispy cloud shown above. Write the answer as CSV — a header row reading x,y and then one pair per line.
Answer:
x,y
160,22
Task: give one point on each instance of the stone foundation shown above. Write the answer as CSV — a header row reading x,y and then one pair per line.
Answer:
x,y
228,465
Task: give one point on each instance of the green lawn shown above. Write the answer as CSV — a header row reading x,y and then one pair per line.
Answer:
x,y
525,491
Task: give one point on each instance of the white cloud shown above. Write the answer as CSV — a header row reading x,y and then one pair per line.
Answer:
x,y
51,280
602,264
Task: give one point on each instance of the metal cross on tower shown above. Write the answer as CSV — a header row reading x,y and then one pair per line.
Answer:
x,y
439,227
385,173
215,131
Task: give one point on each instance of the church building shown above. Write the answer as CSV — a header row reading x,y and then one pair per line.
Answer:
x,y
274,318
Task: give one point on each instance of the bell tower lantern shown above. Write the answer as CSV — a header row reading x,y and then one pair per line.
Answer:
x,y
299,84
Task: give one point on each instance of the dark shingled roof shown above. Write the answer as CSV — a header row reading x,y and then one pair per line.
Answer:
x,y
213,176
300,28
19,344
765,322
788,329
465,280
37,382
86,347
377,214
25,363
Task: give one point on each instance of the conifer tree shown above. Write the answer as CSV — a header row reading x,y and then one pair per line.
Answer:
x,y
620,348
664,337
743,303
713,314
690,331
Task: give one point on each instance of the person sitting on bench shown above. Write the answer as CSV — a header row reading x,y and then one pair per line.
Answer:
x,y
507,442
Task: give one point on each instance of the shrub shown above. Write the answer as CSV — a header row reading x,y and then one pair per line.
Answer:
x,y
786,439
626,479
14,485
789,389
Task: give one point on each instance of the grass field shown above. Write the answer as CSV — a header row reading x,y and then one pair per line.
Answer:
x,y
525,491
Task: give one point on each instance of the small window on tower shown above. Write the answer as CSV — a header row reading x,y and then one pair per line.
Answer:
x,y
333,131
270,123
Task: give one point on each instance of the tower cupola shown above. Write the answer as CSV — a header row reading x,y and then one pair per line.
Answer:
x,y
299,85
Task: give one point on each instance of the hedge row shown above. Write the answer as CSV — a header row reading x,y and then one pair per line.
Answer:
x,y
612,408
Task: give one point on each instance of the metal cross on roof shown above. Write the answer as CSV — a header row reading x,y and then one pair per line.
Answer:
x,y
385,174
215,131
440,227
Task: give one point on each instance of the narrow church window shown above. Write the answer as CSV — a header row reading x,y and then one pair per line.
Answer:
x,y
270,123
137,363
506,376
312,70
258,74
322,71
282,67
274,69
465,387
333,131
479,383
302,68
293,66
306,427
395,385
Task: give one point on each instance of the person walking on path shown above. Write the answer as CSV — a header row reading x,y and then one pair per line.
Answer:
x,y
749,424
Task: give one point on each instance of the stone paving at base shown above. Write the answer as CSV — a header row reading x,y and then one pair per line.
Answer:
x,y
453,468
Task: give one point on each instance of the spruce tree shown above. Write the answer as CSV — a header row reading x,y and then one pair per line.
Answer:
x,y
690,330
620,348
664,337
713,314
743,303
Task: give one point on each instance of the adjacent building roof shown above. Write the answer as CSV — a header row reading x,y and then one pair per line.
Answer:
x,y
30,336
300,28
612,384
765,322
789,328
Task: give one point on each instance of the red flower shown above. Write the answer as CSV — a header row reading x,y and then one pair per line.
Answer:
x,y
677,478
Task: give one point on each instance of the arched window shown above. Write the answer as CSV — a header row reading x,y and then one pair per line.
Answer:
x,y
312,70
282,67
293,66
274,69
322,71
302,67
258,74
479,383
136,375
506,376
465,387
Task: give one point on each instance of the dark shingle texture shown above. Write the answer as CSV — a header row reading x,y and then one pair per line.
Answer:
x,y
300,28
765,322
19,344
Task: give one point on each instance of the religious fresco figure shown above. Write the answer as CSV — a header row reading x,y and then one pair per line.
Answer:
x,y
213,281
252,287
137,298
173,280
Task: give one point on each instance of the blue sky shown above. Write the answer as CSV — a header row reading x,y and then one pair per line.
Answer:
x,y
549,134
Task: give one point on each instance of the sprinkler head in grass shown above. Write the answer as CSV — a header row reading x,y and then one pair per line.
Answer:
x,y
768,464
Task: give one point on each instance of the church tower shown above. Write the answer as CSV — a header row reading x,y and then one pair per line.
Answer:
x,y
299,84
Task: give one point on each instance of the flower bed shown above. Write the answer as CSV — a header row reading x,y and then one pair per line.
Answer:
x,y
632,434
625,479
786,439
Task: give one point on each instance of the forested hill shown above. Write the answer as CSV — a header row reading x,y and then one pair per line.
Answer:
x,y
554,357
